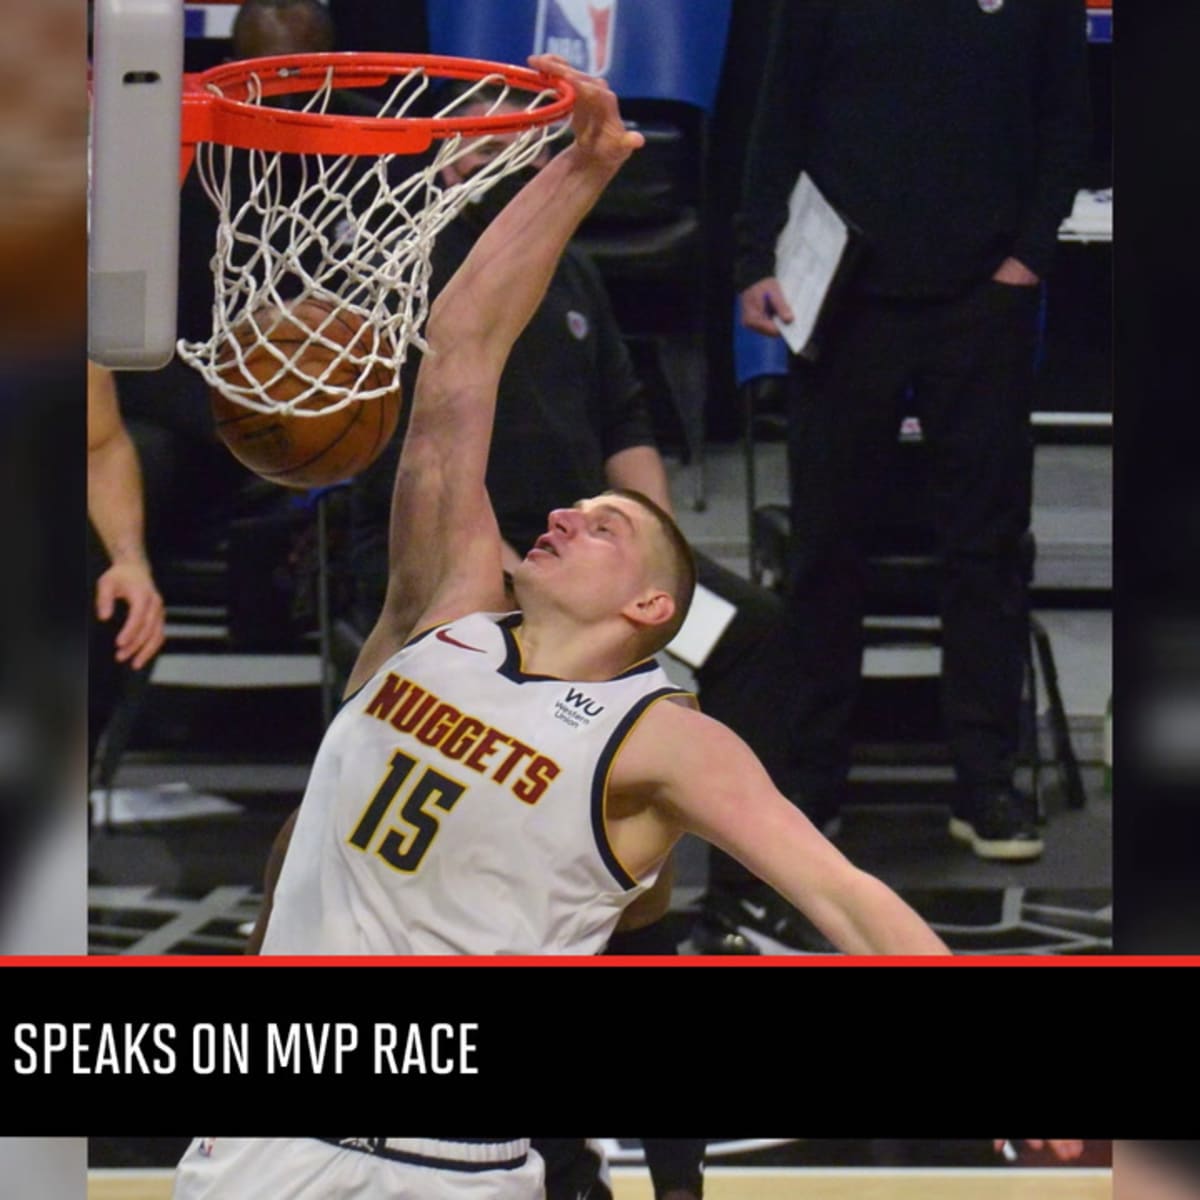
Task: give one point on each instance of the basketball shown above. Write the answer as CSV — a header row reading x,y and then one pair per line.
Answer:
x,y
294,449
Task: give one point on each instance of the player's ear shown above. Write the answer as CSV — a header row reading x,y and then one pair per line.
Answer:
x,y
650,608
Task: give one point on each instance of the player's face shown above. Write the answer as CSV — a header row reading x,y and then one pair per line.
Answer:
x,y
476,153
595,556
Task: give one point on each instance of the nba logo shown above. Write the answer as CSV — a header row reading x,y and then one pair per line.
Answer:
x,y
581,31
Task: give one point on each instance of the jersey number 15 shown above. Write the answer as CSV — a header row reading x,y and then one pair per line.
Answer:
x,y
404,848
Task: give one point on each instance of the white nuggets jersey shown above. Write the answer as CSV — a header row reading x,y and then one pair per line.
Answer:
x,y
359,1169
456,806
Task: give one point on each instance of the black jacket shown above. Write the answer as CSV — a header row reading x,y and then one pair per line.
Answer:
x,y
953,136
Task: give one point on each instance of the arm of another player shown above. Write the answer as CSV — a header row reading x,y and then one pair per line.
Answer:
x,y
444,543
115,509
701,777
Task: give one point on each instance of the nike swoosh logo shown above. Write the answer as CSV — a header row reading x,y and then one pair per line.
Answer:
x,y
443,636
756,911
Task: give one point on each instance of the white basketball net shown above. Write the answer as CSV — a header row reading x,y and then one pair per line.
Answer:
x,y
339,230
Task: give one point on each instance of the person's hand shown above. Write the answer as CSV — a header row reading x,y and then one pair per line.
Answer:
x,y
142,635
760,302
1016,273
1062,1150
596,123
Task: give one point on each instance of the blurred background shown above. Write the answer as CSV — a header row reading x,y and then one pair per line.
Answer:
x,y
43,139
48,1168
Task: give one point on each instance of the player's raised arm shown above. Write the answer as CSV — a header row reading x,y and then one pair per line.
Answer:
x,y
700,775
444,543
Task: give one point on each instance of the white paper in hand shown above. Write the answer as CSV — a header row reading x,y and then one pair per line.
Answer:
x,y
707,620
807,255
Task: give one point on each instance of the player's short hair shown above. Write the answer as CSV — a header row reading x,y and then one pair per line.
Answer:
x,y
677,563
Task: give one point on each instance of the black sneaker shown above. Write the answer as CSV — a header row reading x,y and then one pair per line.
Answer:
x,y
755,922
1000,823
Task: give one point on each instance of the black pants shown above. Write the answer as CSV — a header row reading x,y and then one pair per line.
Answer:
x,y
739,683
969,363
572,1169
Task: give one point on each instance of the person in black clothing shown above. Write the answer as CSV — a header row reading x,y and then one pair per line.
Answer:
x,y
953,137
577,1170
571,421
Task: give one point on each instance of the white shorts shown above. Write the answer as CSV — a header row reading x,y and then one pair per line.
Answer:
x,y
309,1169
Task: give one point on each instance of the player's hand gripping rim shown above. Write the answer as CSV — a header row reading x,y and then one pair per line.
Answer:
x,y
596,121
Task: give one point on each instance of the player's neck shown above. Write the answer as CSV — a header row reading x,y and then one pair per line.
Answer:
x,y
553,645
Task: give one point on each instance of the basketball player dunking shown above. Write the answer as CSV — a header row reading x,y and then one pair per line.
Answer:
x,y
507,783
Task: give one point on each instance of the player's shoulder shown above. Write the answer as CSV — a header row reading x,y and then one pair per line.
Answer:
x,y
676,713
670,726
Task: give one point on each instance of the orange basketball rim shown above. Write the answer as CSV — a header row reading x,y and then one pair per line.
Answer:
x,y
221,105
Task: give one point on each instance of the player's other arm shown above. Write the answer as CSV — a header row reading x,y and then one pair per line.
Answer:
x,y
706,780
444,543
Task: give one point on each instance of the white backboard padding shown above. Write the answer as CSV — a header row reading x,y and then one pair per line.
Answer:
x,y
133,255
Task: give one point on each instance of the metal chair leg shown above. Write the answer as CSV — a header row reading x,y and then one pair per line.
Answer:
x,y
1063,749
748,416
110,747
684,366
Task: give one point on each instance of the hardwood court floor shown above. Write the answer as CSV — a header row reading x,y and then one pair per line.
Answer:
x,y
753,1183
750,1183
